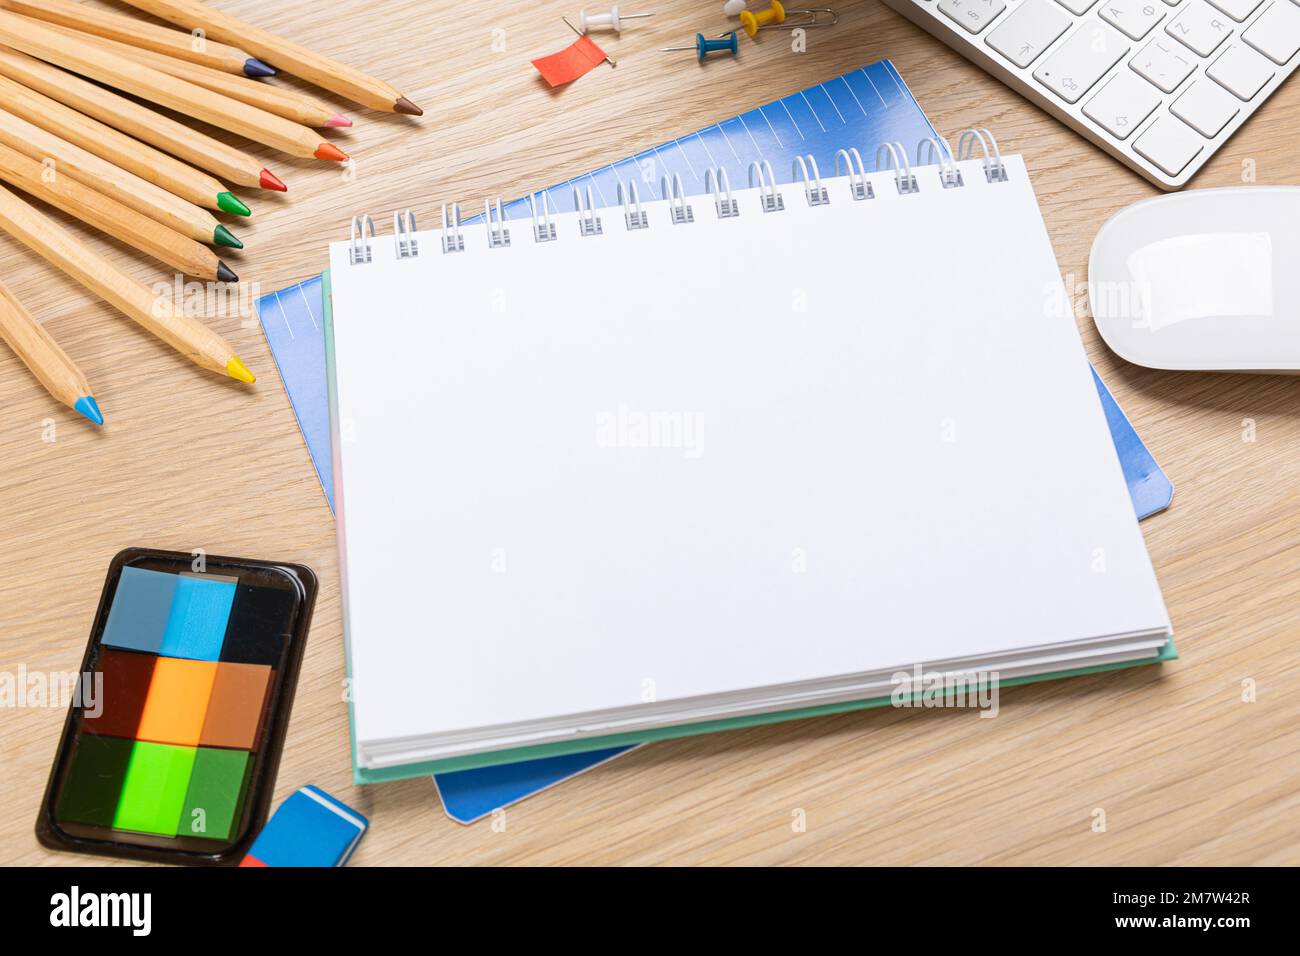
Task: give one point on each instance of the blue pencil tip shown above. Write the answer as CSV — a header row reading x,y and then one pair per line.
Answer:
x,y
255,67
86,406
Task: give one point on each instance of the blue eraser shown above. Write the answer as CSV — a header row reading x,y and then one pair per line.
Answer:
x,y
311,828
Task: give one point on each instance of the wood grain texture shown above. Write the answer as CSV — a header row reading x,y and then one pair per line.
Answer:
x,y
1184,769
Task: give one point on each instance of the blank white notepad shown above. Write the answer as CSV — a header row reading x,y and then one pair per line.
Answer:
x,y
718,466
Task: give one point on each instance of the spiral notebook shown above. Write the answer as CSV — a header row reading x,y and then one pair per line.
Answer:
x,y
691,463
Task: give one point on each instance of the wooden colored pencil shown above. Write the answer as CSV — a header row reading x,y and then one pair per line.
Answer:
x,y
317,69
91,60
134,299
102,176
142,34
151,165
49,363
149,126
290,104
111,217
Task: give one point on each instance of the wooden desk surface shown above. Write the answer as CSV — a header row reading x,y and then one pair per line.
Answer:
x,y
1185,771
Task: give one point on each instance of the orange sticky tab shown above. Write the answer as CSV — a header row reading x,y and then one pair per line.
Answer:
x,y
177,702
573,61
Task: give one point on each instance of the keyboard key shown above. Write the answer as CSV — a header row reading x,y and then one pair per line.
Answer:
x,y
1133,18
1122,104
1276,33
973,15
1077,64
1077,7
1205,107
1199,28
1239,10
1241,71
1169,143
1164,63
1028,30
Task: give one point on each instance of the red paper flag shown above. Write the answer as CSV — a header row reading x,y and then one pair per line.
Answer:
x,y
573,61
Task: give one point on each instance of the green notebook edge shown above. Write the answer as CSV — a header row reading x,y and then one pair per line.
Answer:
x,y
426,768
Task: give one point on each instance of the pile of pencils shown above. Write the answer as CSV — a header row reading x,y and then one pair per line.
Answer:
x,y
70,140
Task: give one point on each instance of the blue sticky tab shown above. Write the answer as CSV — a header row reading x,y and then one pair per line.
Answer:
x,y
196,626
311,828
138,618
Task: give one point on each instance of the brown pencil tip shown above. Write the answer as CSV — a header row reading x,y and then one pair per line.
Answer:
x,y
331,152
403,105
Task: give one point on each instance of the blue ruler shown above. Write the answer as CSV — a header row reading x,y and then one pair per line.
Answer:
x,y
864,108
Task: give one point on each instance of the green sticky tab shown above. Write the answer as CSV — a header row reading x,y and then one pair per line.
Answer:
x,y
215,794
157,779
92,788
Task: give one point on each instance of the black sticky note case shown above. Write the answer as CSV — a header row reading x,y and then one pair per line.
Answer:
x,y
158,646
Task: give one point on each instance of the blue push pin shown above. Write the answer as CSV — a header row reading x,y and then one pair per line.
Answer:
x,y
703,47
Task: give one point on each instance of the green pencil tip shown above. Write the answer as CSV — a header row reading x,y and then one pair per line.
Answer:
x,y
224,237
229,202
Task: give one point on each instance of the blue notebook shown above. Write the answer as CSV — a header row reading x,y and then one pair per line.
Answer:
x,y
867,106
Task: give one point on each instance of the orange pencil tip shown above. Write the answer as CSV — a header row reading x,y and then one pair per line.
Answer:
x,y
331,152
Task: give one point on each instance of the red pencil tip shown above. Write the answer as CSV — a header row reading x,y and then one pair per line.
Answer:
x,y
270,180
403,105
331,152
337,120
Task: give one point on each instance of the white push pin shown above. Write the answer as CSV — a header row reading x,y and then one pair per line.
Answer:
x,y
613,19
733,8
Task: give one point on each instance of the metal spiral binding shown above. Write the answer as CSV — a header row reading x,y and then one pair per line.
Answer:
x,y
678,209
813,191
890,157
498,234
904,180
929,151
588,221
543,231
363,230
452,240
719,184
633,215
859,187
769,199
404,241
995,171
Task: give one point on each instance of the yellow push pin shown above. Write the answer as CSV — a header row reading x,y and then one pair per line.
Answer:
x,y
752,22
775,15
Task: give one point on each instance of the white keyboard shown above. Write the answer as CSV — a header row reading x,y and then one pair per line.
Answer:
x,y
1159,84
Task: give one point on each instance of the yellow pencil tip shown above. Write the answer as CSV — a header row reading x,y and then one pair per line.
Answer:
x,y
237,369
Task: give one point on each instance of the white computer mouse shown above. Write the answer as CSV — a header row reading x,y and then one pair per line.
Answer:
x,y
1207,279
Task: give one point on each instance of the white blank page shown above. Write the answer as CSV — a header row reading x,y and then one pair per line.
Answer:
x,y
879,444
